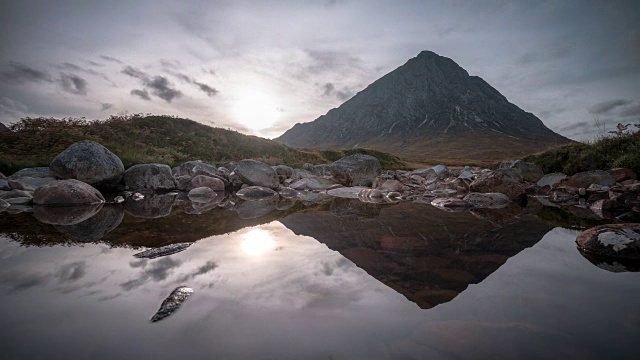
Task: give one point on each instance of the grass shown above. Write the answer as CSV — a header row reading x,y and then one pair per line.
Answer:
x,y
139,139
605,153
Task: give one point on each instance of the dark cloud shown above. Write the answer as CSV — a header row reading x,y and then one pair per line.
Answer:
x,y
162,88
210,91
73,84
107,106
606,106
12,107
20,73
73,67
111,59
633,110
22,281
206,88
207,267
93,63
209,71
155,271
582,125
135,73
329,89
142,94
71,272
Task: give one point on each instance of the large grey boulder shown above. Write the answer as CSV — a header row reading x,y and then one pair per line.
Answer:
x,y
214,183
611,240
586,178
499,182
530,172
28,183
441,171
36,172
256,173
67,193
356,170
90,163
149,176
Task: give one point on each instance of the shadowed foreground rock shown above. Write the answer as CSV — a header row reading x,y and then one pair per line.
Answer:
x,y
172,303
95,227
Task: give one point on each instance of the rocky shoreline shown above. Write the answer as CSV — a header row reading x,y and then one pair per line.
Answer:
x,y
87,175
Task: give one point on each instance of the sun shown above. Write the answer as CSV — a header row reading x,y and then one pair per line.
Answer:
x,y
255,110
257,242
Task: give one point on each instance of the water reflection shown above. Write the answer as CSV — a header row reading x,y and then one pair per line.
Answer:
x,y
257,242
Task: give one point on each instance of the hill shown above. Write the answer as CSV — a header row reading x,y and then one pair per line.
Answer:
x,y
141,139
429,108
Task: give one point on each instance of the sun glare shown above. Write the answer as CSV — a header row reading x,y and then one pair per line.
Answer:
x,y
256,110
257,241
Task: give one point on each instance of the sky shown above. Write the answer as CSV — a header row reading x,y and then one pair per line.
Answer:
x,y
259,67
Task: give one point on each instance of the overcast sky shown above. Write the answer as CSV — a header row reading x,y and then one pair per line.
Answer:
x,y
261,66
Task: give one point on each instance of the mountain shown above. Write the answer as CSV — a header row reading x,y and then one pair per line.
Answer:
x,y
428,108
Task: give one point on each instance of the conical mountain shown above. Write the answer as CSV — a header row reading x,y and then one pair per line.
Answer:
x,y
428,109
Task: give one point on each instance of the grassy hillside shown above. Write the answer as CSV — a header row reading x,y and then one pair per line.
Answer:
x,y
141,139
606,153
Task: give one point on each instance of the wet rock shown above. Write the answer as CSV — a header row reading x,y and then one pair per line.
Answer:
x,y
202,193
285,204
562,195
95,227
288,193
391,185
118,199
66,193
441,192
65,215
356,170
255,209
172,303
622,174
487,200
615,265
353,209
214,183
88,162
29,183
256,193
17,196
551,180
163,251
499,182
346,192
530,172
611,240
256,173
37,172
4,204
149,176
313,198
585,179
150,207
451,204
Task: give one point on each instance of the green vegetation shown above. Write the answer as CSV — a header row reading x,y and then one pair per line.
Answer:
x,y
387,161
620,150
139,139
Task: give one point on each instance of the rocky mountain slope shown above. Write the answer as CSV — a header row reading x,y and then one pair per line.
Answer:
x,y
429,108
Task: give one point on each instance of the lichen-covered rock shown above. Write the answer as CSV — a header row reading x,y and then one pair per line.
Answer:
x,y
530,172
487,200
499,182
612,240
356,170
149,176
256,193
256,173
586,178
88,162
67,193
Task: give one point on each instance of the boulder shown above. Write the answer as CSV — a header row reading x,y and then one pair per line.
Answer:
x,y
214,183
95,227
256,193
487,200
150,207
451,204
284,172
612,240
12,194
29,183
90,163
428,173
514,174
149,176
256,173
391,185
194,168
356,170
324,169
530,172
37,172
65,215
441,171
4,185
585,179
310,168
67,193
201,192
622,174
499,182
551,180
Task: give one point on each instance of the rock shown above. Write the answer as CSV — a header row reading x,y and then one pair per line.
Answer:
x,y
346,192
622,174
4,185
194,168
231,166
149,176
256,173
150,207
324,169
88,162
66,193
172,303
356,170
13,194
424,173
65,215
585,179
288,193
4,204
466,175
612,240
514,174
213,183
451,204
118,199
255,209
561,195
310,168
499,182
29,183
441,171
256,193
391,185
285,204
38,172
530,172
201,192
551,180
96,227
487,200
284,172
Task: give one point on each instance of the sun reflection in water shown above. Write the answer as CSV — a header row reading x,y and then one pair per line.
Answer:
x,y
257,241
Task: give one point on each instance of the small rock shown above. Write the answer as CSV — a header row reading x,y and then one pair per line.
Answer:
x,y
551,180
451,204
391,185
256,193
118,199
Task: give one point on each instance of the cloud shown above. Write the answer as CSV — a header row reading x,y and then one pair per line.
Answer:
x,y
606,106
157,271
110,59
206,88
73,67
142,94
22,281
20,73
329,89
107,106
172,64
210,91
12,107
323,61
73,84
633,110
207,267
162,88
135,73
71,272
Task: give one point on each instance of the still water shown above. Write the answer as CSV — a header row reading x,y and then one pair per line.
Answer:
x,y
336,280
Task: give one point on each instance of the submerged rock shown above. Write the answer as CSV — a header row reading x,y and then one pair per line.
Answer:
x,y
255,209
88,162
451,204
172,303
150,207
612,240
202,193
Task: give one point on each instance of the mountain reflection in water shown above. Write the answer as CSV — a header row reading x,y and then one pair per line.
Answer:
x,y
325,278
